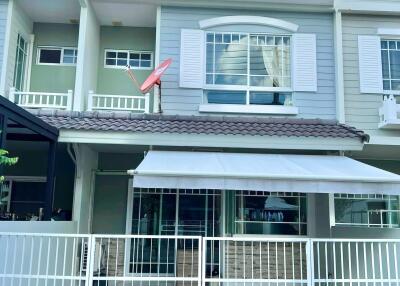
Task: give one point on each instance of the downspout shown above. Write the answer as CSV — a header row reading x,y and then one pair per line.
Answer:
x,y
338,38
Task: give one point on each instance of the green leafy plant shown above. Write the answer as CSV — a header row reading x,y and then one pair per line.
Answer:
x,y
6,161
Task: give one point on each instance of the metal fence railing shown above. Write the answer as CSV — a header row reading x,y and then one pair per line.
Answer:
x,y
126,260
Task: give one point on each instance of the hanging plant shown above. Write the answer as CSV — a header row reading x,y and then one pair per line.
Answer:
x,y
6,161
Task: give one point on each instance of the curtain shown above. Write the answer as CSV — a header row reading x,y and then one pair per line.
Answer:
x,y
272,62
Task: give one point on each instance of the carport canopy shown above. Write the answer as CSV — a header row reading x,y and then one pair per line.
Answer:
x,y
262,172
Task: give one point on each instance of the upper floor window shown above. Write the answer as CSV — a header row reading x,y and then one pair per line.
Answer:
x,y
20,63
243,68
57,56
390,64
122,58
367,210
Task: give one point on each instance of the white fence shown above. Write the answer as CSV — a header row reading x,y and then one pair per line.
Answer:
x,y
48,100
389,113
118,102
126,260
43,259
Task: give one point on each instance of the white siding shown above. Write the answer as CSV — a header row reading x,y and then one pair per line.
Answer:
x,y
3,23
362,109
20,24
176,100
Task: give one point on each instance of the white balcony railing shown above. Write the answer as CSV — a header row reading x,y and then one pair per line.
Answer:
x,y
60,259
118,102
48,100
389,113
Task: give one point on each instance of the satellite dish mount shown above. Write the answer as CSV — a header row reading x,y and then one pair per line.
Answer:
x,y
154,79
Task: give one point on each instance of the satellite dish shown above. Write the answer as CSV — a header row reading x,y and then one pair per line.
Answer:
x,y
153,79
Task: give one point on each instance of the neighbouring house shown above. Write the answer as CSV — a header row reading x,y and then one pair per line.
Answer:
x,y
269,153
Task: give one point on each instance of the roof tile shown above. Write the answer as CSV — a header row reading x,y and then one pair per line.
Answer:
x,y
216,125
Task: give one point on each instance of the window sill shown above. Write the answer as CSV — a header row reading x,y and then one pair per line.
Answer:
x,y
251,109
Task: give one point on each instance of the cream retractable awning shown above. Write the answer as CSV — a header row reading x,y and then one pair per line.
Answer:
x,y
262,172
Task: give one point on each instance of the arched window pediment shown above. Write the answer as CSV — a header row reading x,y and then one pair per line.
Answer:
x,y
248,20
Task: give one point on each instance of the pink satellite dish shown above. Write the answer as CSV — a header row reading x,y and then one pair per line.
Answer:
x,y
155,77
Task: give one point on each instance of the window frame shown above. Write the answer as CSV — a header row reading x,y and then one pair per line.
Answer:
x,y
128,54
56,48
247,88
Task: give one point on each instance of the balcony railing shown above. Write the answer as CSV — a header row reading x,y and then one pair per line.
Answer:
x,y
389,113
45,100
109,102
52,259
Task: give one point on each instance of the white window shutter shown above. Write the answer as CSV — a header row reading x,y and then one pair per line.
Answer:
x,y
192,59
370,64
304,68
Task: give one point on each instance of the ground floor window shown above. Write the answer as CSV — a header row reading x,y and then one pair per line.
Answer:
x,y
367,210
176,212
269,213
22,198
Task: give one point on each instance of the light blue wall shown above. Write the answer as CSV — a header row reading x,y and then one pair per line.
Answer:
x,y
3,22
176,100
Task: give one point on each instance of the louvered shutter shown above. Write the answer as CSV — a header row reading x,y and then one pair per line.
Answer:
x,y
192,59
370,64
304,62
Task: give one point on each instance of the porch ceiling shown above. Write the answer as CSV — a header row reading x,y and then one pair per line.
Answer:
x,y
125,14
51,11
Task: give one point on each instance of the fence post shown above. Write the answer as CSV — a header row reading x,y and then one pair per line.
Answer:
x,y
90,262
310,262
11,95
90,100
70,96
204,262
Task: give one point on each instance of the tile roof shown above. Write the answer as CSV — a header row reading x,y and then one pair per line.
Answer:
x,y
216,125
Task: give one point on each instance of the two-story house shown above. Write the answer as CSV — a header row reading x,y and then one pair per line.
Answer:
x,y
239,167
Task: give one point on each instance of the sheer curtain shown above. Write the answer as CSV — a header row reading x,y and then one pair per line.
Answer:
x,y
272,61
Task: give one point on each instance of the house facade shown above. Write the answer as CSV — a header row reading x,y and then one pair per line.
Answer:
x,y
267,154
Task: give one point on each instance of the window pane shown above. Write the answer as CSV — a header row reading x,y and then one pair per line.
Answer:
x,y
68,60
145,64
69,52
209,58
385,64
272,61
122,55
384,45
226,97
395,85
386,85
267,98
111,62
230,79
145,57
121,62
134,56
50,56
134,63
395,64
111,54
